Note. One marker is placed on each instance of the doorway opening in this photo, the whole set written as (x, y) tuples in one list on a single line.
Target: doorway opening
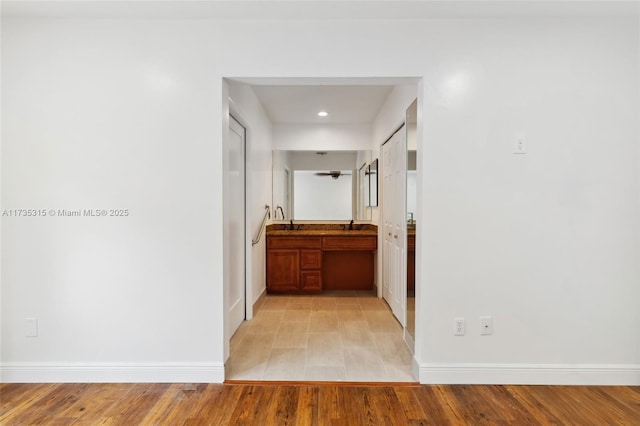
[(329, 332)]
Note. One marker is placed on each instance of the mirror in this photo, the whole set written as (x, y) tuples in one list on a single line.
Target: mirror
[(412, 141), (321, 185)]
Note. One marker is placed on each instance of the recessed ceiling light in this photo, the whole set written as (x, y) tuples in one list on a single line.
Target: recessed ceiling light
[(323, 114)]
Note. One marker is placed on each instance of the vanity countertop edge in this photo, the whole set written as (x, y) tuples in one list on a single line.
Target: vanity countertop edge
[(306, 230)]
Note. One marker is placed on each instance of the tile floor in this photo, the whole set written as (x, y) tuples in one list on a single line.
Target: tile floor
[(321, 338)]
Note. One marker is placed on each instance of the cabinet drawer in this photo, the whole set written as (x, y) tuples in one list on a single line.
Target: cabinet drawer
[(294, 242), (310, 281), (350, 243), (310, 259)]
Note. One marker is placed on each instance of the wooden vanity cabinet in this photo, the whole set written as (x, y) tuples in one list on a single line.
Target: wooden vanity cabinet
[(294, 265), (311, 264), (411, 263)]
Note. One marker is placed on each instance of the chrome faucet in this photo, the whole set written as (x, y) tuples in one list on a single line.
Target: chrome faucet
[(351, 225), (411, 221)]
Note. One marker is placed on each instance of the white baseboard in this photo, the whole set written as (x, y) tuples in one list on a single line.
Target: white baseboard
[(259, 300), (415, 367), (531, 374), (408, 339), (549, 374), (167, 372)]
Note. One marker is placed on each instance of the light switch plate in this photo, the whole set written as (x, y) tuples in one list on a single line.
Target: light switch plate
[(520, 145), (31, 327)]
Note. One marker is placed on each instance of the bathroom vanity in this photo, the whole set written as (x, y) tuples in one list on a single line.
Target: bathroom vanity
[(311, 258)]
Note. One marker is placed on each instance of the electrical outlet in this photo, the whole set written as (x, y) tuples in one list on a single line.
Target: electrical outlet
[(486, 325), (458, 326), (520, 145), (31, 327)]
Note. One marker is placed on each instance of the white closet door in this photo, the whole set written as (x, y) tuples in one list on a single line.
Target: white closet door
[(236, 224), (387, 222), (394, 154)]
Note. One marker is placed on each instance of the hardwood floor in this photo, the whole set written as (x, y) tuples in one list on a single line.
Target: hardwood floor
[(315, 404)]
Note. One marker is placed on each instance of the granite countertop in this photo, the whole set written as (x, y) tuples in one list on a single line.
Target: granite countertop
[(321, 229)]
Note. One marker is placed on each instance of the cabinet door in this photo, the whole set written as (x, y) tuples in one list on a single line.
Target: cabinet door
[(310, 259), (283, 270), (311, 281)]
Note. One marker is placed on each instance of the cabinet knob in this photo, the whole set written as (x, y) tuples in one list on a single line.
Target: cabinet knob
[(395, 236)]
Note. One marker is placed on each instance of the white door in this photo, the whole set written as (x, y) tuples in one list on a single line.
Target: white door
[(394, 263), (236, 224)]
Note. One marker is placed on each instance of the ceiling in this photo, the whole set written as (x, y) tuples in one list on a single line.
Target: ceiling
[(317, 9), (353, 104)]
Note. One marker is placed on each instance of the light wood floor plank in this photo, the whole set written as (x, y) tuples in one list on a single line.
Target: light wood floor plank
[(27, 394)]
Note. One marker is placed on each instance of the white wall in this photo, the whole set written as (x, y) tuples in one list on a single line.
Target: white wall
[(102, 115), (393, 113), (126, 114), (391, 116), (335, 160), (545, 242), (326, 137)]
